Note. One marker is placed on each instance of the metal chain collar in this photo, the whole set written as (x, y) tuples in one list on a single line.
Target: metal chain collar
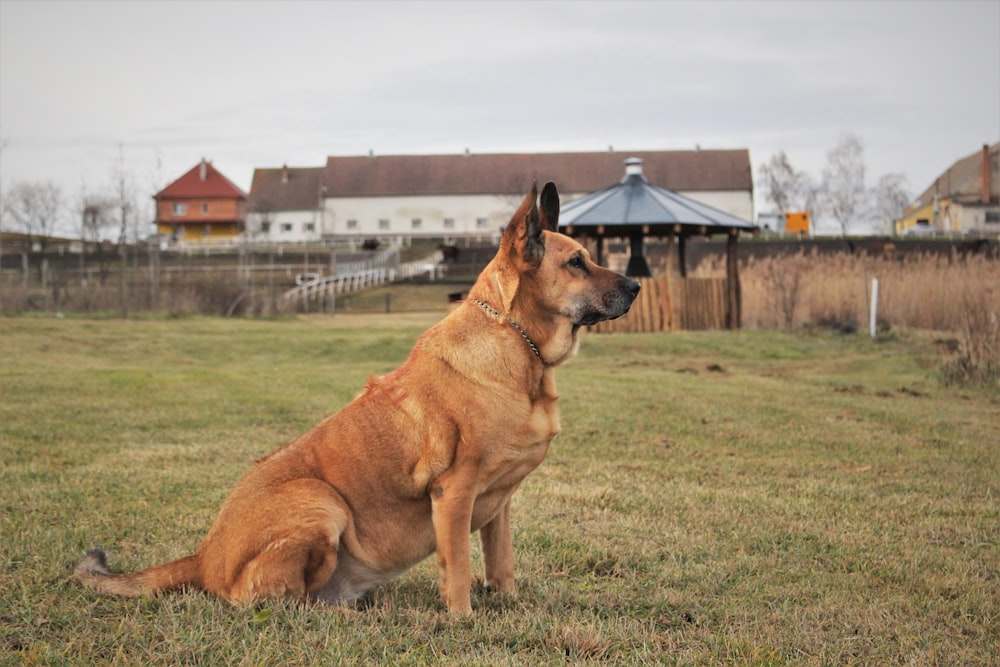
[(495, 313)]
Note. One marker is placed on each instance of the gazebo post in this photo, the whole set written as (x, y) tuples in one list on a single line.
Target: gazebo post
[(682, 254), (733, 291), (668, 270)]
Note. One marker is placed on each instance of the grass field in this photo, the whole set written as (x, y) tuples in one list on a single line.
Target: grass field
[(750, 498)]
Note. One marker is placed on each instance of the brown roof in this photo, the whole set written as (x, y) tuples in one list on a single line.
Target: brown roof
[(285, 189), (202, 181), (511, 173), (963, 180)]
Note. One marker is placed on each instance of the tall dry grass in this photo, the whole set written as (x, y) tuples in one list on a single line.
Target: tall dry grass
[(955, 294), (978, 355)]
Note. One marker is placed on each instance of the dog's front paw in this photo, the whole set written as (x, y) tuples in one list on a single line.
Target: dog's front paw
[(503, 587), (458, 606)]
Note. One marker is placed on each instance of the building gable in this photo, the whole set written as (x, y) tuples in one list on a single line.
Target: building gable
[(203, 181), (963, 180)]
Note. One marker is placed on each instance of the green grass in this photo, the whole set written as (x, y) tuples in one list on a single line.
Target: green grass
[(752, 498)]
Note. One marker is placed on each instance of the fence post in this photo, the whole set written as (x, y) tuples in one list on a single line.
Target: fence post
[(733, 293), (873, 314)]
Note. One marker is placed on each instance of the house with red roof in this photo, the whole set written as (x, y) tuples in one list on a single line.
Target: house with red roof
[(201, 206)]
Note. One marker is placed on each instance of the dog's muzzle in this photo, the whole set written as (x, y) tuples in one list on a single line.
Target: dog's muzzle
[(616, 303)]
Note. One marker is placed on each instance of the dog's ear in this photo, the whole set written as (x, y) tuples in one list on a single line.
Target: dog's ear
[(522, 240), (550, 207)]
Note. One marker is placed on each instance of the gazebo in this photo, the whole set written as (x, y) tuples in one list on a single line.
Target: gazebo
[(636, 209)]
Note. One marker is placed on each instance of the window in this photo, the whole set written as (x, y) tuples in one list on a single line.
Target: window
[(309, 227), (416, 223), (265, 227), (992, 217), (449, 223), (204, 208), (286, 227), (481, 223), (180, 209), (352, 224), (383, 224)]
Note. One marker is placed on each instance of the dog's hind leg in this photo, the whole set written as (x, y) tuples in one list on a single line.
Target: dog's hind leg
[(300, 554)]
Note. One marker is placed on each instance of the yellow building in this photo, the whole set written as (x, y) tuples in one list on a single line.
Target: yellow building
[(964, 199)]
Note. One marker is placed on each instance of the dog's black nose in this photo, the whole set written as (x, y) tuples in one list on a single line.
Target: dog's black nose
[(633, 287)]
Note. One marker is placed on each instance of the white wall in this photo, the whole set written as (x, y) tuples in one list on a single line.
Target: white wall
[(288, 226), (739, 204), (465, 213), (469, 215)]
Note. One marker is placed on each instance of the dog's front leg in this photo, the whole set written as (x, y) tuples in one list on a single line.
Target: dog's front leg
[(498, 552), (451, 512)]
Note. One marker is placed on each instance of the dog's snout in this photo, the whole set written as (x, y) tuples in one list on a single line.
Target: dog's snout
[(628, 289)]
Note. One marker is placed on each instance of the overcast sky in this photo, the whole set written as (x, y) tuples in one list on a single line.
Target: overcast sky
[(261, 83)]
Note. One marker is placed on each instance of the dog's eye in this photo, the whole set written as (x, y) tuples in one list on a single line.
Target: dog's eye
[(576, 262)]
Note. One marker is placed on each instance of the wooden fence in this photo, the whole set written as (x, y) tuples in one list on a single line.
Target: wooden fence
[(672, 304), (700, 303)]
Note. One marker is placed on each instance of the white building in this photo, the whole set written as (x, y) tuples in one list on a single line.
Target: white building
[(466, 196), (286, 204)]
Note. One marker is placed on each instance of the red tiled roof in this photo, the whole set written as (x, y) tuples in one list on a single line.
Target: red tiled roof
[(387, 175), (203, 180)]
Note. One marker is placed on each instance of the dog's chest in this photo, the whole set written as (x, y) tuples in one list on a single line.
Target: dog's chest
[(528, 447), (543, 422)]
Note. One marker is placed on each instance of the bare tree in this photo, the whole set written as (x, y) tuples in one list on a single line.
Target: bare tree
[(890, 199), (3, 147), (810, 196), (782, 182), (124, 207), (155, 180), (34, 208), (95, 212), (843, 188)]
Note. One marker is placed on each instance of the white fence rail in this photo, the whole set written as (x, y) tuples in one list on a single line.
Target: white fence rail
[(320, 294)]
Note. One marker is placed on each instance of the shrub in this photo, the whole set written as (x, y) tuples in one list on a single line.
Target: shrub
[(978, 355)]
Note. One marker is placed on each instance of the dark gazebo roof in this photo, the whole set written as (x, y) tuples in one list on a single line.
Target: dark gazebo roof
[(635, 209), (636, 203)]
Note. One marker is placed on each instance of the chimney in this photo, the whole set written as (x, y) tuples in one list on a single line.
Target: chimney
[(284, 173), (203, 172), (985, 175), (633, 167)]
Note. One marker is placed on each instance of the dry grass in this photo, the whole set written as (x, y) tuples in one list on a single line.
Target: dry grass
[(957, 296), (756, 497), (978, 354)]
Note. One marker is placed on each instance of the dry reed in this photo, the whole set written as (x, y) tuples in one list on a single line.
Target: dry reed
[(948, 293)]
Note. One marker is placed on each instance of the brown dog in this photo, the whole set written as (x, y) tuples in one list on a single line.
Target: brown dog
[(423, 455)]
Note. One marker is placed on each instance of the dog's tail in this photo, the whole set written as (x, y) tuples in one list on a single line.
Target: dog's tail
[(93, 572)]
